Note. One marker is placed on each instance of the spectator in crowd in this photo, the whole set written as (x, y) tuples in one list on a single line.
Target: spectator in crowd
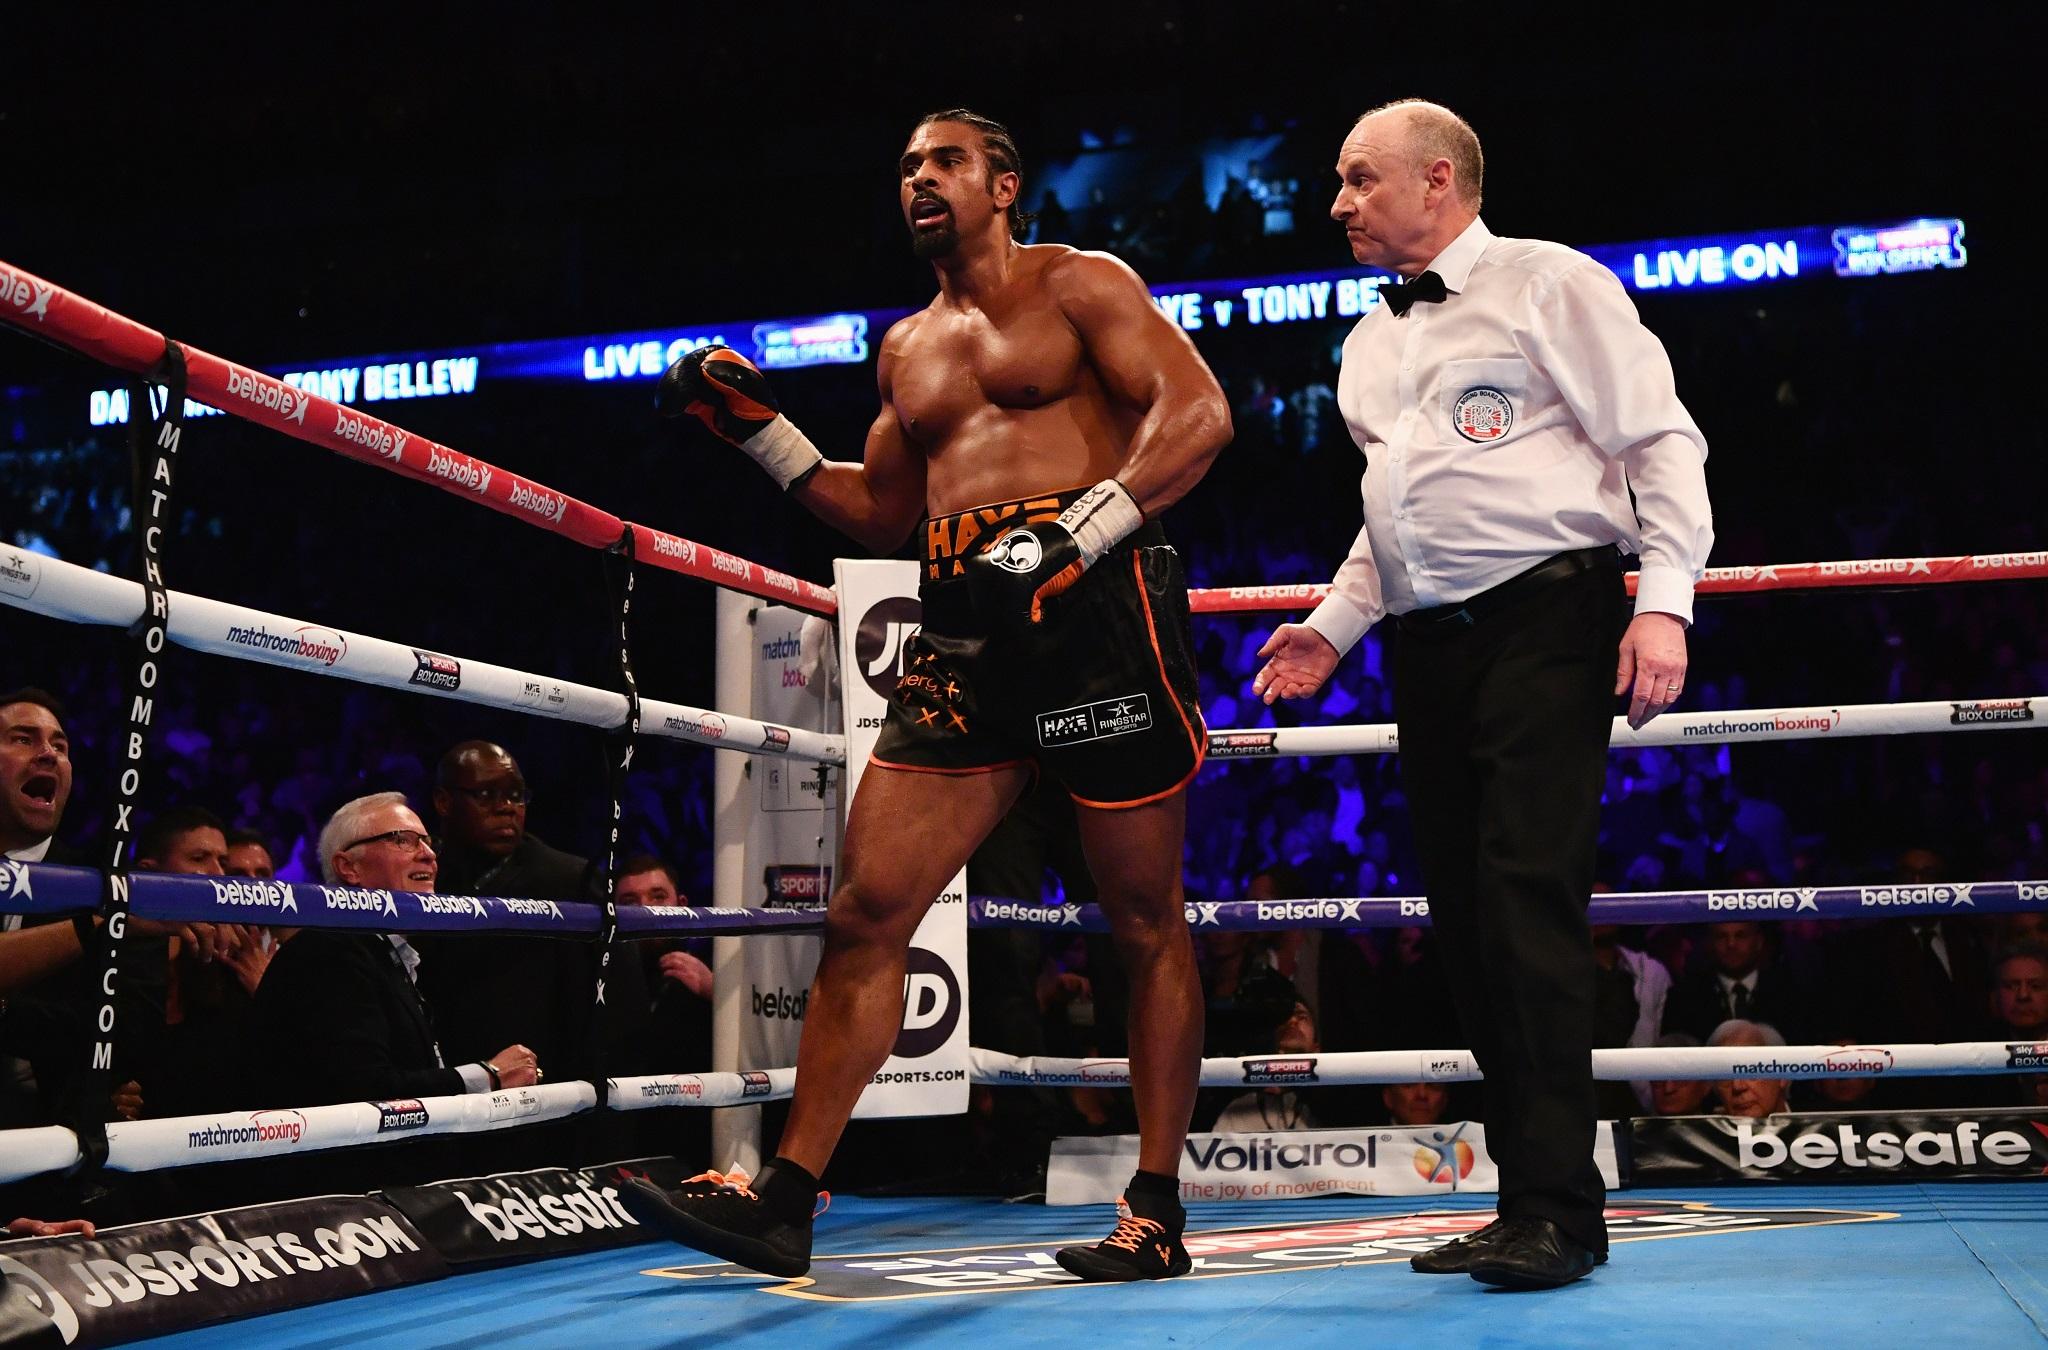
[(1742, 984), (524, 989), (35, 779), (2020, 993), (646, 880), (249, 855), (338, 1017), (1754, 1098), (1915, 980), (1276, 1107), (1677, 1096), (207, 989), (1413, 1104)]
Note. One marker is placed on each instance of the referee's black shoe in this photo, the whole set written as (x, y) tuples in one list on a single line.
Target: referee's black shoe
[(1460, 1254), (1533, 1253), (722, 1217)]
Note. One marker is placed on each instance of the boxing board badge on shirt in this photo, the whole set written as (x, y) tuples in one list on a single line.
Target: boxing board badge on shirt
[(1482, 414)]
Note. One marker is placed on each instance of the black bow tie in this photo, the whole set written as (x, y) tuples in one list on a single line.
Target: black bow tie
[(1428, 287)]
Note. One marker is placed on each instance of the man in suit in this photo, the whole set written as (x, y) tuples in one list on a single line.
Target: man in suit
[(338, 1016), (1744, 983), (488, 991)]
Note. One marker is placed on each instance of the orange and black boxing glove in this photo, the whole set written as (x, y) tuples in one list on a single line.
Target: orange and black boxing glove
[(728, 393), (1027, 566)]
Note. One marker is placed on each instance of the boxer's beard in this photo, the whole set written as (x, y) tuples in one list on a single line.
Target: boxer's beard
[(929, 244)]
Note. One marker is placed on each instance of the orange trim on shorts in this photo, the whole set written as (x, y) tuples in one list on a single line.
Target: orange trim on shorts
[(881, 763), (1199, 743)]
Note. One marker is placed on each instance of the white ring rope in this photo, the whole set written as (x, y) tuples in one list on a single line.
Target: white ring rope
[(993, 1068), (141, 1146), (1698, 728), (62, 590)]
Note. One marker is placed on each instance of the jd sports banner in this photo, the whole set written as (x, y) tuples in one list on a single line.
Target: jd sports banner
[(1291, 1164), (152, 1278), (1839, 1146), (792, 835), (927, 1074)]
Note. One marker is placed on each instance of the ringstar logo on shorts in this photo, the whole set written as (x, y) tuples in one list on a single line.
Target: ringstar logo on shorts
[(266, 393)]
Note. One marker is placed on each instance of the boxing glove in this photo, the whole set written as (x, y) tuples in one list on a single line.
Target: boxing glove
[(1014, 577), (729, 394)]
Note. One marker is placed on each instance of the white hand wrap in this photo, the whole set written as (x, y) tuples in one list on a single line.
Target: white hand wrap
[(786, 453), (1100, 518)]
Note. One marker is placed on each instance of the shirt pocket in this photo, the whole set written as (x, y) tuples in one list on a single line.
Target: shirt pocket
[(1482, 402)]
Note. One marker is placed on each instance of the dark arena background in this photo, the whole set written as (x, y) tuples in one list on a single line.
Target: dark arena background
[(494, 227)]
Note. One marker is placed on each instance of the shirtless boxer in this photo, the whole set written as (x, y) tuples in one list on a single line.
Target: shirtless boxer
[(1037, 417)]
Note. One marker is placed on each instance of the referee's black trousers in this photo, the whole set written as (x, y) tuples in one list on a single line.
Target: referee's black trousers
[(1504, 725)]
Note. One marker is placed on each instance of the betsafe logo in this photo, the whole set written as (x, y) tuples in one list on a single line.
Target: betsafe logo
[(931, 1005), (879, 641)]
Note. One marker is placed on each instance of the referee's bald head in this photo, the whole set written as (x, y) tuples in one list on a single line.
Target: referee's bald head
[(1432, 132)]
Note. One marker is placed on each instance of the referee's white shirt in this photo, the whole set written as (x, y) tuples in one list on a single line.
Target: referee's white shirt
[(1509, 423)]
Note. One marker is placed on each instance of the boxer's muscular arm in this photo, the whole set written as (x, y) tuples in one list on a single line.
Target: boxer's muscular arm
[(879, 500), (1147, 363)]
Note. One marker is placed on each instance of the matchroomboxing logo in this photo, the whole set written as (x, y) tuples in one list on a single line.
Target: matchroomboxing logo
[(1262, 1249), (708, 726), (305, 643)]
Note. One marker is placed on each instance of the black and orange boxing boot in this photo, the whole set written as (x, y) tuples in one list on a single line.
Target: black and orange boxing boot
[(763, 1223), (1146, 1244)]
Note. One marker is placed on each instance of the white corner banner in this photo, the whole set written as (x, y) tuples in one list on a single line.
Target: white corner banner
[(1293, 1164), (927, 1074), (793, 832)]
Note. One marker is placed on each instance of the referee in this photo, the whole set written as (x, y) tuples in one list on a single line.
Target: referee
[(1522, 436)]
